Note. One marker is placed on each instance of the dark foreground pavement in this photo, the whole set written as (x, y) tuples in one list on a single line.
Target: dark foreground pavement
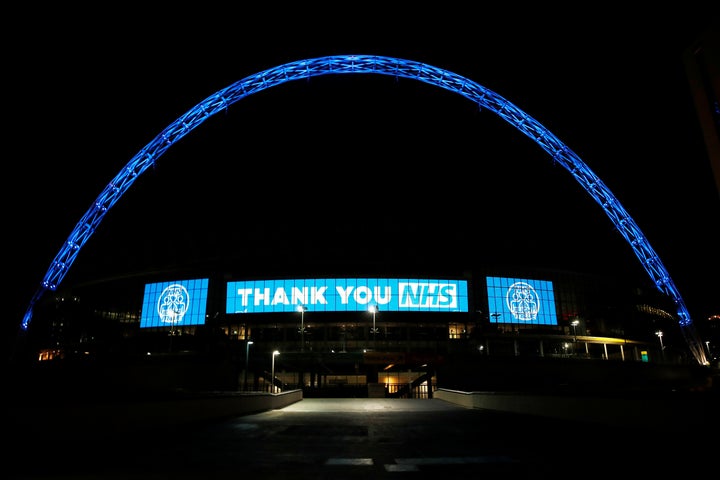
[(366, 439)]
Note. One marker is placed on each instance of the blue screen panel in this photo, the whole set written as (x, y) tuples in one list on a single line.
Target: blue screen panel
[(168, 304), (347, 295), (521, 300)]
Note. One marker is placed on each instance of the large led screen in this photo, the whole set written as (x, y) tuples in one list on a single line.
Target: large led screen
[(347, 295), (521, 300), (169, 304)]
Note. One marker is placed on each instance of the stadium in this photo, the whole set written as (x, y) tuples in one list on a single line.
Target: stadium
[(404, 329), (388, 336)]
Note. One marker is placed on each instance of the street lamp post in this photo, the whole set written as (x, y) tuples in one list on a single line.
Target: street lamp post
[(302, 309), (574, 324), (247, 361), (373, 309), (659, 333), (272, 372)]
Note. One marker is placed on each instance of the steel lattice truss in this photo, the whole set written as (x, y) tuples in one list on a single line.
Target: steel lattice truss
[(367, 64)]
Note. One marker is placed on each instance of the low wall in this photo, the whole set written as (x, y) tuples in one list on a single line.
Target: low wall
[(672, 411), (129, 416)]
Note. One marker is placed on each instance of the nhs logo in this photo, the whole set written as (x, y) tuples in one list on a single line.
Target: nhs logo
[(428, 295)]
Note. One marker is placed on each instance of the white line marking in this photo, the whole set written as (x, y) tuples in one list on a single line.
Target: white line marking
[(400, 468), (349, 461), (452, 460)]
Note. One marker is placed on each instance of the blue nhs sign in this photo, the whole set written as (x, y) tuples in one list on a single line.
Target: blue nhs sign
[(347, 295)]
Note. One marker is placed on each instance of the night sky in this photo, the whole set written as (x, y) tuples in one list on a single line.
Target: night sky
[(357, 173)]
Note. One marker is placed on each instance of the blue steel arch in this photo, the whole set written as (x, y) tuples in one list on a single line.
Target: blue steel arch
[(369, 64)]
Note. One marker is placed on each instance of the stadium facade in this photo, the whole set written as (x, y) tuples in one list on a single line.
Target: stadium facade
[(401, 335)]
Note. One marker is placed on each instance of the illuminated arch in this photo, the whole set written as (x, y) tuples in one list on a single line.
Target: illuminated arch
[(367, 64)]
